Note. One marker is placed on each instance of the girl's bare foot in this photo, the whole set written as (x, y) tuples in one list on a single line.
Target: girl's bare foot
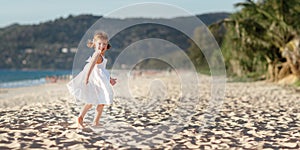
[(80, 122), (95, 123)]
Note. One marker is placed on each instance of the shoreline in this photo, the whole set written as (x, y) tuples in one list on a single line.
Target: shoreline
[(34, 82), (23, 78)]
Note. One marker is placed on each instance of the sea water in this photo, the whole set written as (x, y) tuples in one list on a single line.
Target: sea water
[(22, 78)]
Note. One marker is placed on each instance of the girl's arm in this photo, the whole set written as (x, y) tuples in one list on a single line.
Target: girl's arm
[(94, 59)]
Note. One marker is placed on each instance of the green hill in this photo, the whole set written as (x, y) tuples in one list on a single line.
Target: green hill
[(48, 45)]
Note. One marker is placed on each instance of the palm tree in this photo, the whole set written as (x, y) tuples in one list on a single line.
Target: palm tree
[(264, 34)]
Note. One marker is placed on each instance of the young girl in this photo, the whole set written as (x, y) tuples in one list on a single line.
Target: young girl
[(92, 84)]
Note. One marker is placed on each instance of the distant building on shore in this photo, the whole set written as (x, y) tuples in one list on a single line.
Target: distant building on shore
[(69, 50)]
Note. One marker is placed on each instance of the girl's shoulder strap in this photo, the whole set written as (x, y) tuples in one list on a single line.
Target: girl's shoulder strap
[(95, 56)]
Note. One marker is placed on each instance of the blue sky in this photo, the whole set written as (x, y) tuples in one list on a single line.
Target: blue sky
[(37, 11)]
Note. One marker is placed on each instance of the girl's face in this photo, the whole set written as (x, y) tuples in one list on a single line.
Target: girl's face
[(101, 45)]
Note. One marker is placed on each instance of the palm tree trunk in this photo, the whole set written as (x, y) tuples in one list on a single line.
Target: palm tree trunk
[(294, 68)]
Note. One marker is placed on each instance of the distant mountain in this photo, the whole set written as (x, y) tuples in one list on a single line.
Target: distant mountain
[(51, 45)]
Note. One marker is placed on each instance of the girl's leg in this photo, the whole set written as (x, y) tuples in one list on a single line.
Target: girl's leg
[(82, 114), (99, 110)]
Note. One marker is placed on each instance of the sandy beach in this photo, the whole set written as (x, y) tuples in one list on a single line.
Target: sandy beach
[(253, 115)]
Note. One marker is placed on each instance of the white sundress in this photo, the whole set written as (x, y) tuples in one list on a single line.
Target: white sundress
[(98, 90)]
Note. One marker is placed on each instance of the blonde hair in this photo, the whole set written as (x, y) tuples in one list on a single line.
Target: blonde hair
[(100, 35)]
